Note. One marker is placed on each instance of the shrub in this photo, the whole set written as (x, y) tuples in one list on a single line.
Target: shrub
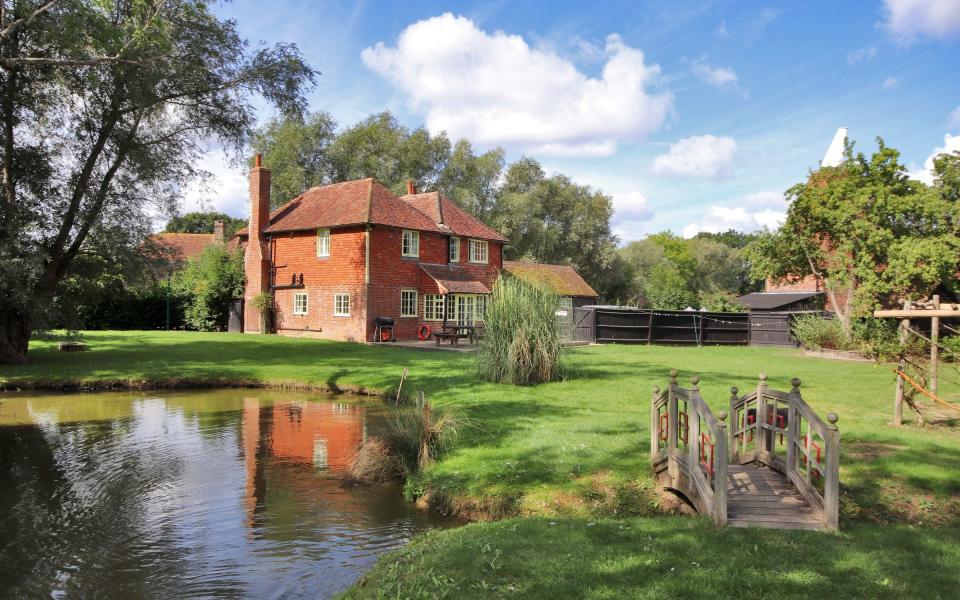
[(210, 282), (415, 436), (721, 301), (819, 333), (522, 343)]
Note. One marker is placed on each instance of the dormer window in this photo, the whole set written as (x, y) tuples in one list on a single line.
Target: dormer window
[(454, 249), (410, 245), (323, 242)]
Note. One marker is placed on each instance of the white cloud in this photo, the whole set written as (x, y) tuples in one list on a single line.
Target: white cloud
[(698, 156), (497, 89), (226, 189), (953, 119), (865, 54), (721, 30), (890, 83), (631, 206), (909, 20), (715, 76), (755, 212), (951, 143)]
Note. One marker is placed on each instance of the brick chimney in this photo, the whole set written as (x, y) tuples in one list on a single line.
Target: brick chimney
[(218, 231), (411, 189), (257, 256)]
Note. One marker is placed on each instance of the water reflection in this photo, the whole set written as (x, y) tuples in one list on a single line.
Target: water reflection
[(223, 494)]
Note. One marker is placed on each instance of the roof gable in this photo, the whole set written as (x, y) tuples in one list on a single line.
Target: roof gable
[(563, 279)]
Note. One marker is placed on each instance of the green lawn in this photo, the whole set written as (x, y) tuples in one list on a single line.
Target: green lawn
[(577, 451), (667, 557)]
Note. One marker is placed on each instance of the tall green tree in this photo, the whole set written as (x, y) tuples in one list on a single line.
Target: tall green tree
[(871, 234), (554, 220), (202, 222), (295, 149), (102, 107)]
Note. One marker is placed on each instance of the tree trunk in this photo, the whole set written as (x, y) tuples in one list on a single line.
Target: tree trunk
[(14, 336)]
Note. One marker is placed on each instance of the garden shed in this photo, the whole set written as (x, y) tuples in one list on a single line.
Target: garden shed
[(575, 293), (772, 314)]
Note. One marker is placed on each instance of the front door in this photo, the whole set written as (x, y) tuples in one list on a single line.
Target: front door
[(465, 308)]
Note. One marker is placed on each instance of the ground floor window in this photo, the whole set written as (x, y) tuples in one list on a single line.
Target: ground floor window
[(408, 303), (300, 303), (466, 309), (433, 307), (341, 305)]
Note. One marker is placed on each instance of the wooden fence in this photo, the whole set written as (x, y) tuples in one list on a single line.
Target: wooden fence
[(644, 326)]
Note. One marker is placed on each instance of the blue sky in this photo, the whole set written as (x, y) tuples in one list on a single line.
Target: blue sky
[(692, 116)]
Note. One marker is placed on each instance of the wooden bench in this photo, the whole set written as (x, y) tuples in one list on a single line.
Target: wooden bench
[(453, 337)]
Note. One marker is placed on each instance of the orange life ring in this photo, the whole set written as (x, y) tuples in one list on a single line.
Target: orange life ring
[(423, 333)]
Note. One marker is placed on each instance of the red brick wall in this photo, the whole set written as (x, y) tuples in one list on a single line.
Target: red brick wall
[(323, 277), (256, 264), (344, 271), (390, 273)]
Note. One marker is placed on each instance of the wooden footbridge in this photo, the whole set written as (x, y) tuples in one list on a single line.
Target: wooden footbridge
[(776, 465)]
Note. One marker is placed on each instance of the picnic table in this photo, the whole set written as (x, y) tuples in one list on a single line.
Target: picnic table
[(454, 333)]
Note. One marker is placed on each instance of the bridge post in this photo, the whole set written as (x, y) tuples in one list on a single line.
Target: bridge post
[(672, 468), (763, 441), (793, 429), (693, 439), (654, 425), (831, 484), (734, 450), (720, 472)]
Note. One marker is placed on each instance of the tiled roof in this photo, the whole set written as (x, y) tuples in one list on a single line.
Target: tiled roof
[(181, 246), (563, 279), (367, 201), (455, 279), (455, 220), (773, 300)]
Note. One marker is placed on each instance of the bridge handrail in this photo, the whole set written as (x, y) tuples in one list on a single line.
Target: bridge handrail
[(703, 462), (799, 445)]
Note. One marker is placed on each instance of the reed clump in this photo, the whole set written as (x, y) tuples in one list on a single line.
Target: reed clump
[(414, 437), (522, 343)]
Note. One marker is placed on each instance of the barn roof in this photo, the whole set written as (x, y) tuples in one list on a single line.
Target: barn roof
[(563, 279), (182, 246), (774, 300)]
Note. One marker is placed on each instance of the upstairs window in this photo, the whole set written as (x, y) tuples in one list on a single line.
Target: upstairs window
[(408, 303), (323, 242), (478, 251), (300, 303), (454, 249), (411, 243)]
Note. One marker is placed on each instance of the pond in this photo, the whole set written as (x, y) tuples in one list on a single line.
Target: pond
[(227, 493)]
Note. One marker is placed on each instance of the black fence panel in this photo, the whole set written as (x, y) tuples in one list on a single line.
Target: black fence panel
[(637, 326)]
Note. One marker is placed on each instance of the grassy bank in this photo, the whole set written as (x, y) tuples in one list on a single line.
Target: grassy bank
[(659, 558), (572, 448)]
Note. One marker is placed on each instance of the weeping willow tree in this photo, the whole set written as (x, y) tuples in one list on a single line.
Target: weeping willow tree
[(522, 343)]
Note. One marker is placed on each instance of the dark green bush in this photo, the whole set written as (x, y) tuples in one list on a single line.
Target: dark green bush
[(816, 332)]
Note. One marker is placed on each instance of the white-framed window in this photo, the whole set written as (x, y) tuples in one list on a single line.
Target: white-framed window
[(300, 303), (341, 305), (323, 242), (433, 307), (408, 303), (410, 246), (454, 249), (478, 251)]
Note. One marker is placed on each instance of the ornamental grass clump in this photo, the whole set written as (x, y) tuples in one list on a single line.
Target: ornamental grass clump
[(522, 343), (413, 438)]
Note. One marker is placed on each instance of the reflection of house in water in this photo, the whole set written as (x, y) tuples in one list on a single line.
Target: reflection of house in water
[(322, 436), (325, 435)]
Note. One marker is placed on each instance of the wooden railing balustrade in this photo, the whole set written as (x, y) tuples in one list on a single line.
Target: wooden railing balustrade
[(690, 452)]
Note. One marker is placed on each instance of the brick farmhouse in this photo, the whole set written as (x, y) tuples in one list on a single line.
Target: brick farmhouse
[(338, 256)]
